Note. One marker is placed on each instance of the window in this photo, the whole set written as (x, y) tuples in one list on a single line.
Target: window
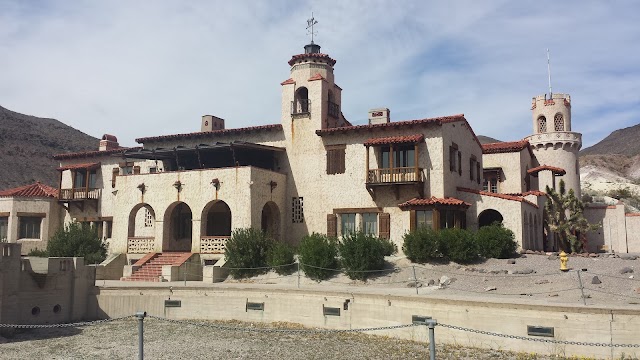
[(109, 229), (126, 168), (153, 170), (453, 150), (542, 124), (148, 218), (347, 224), (114, 174), (335, 160), (80, 181), (490, 184), (370, 223), (472, 167), (424, 218), (30, 227), (558, 122), (297, 210), (4, 228), (452, 219), (403, 156)]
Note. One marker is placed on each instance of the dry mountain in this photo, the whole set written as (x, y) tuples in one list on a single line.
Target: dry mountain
[(27, 144)]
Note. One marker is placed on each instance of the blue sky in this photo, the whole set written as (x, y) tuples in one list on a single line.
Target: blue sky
[(144, 68)]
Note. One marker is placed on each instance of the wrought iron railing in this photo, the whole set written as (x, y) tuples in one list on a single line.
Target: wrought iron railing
[(300, 106), (395, 175), (140, 244), (334, 110), (79, 194), (213, 244)]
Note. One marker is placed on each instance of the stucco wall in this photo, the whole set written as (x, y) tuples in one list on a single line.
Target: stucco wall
[(612, 236), (51, 221), (633, 232)]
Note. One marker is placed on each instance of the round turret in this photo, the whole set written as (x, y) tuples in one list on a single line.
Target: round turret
[(553, 142)]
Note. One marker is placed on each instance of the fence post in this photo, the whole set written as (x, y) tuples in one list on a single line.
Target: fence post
[(141, 315), (431, 323), (415, 279), (584, 300), (298, 273)]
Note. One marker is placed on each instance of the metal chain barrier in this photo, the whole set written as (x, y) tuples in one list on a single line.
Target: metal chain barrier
[(527, 338), (280, 330), (68, 325)]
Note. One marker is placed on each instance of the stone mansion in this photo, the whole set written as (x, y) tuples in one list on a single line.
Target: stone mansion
[(312, 172)]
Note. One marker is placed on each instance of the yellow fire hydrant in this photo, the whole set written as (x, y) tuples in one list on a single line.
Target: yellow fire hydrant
[(564, 259)]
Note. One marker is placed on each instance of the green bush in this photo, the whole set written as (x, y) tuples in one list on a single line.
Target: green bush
[(246, 252), (422, 245), (38, 253), (389, 247), (78, 240), (318, 256), (280, 257), (361, 254), (496, 241), (459, 245)]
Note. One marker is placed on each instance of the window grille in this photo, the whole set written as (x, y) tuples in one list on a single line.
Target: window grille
[(542, 124), (558, 122), (297, 210)]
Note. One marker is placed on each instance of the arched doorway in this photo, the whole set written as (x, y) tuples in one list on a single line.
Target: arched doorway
[(215, 227), (177, 228), (141, 229), (301, 102), (270, 221), (489, 217)]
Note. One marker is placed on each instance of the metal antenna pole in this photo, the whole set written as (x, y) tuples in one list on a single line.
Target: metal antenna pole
[(549, 73), (310, 23), (141, 315)]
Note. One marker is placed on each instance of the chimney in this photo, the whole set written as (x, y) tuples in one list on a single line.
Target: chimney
[(108, 142), (379, 116), (211, 123)]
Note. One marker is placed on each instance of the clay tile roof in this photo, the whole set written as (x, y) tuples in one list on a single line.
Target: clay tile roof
[(318, 56), (201, 134), (504, 147), (532, 192), (37, 190), (288, 81), (556, 170), (83, 154), (497, 195), (80, 166), (395, 124), (408, 139), (632, 214), (434, 201), (316, 77)]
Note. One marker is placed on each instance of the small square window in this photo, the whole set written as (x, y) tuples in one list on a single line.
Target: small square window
[(370, 223), (30, 227), (297, 210)]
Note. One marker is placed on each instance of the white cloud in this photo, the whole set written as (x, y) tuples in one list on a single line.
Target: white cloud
[(144, 68)]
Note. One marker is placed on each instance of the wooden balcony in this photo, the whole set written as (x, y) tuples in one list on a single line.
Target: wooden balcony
[(394, 175), (79, 194)]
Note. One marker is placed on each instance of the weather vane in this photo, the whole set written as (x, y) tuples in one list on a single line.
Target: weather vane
[(310, 23)]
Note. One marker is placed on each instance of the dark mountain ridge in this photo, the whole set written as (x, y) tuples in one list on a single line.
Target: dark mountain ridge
[(27, 144)]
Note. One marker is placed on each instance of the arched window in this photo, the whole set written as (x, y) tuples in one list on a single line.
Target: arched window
[(558, 122), (542, 124), (300, 104)]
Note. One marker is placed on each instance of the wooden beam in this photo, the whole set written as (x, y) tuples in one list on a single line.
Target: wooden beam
[(366, 178)]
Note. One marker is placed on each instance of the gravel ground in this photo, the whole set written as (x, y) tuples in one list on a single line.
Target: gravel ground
[(163, 340), (529, 277)]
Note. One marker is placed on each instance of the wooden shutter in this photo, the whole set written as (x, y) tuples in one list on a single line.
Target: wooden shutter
[(114, 173), (136, 170), (412, 220), (332, 225), (385, 225)]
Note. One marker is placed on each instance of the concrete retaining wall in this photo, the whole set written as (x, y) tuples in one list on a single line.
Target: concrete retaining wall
[(571, 323)]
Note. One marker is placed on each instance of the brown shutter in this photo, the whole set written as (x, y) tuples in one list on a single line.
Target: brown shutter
[(332, 225), (114, 173), (385, 226), (136, 170), (412, 220), (328, 162)]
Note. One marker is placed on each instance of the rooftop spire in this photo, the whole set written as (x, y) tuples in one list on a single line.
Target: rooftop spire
[(310, 23), (549, 73)]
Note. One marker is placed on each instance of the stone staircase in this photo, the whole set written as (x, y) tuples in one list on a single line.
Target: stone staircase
[(149, 268)]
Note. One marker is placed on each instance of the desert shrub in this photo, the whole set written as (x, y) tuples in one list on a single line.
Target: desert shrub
[(496, 241), (318, 256), (38, 253), (360, 254), (246, 252), (422, 245), (459, 245), (280, 257), (388, 247), (77, 240)]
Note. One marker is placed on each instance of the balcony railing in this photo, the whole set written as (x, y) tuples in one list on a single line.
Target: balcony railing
[(395, 175), (213, 244), (300, 106), (79, 194), (140, 244), (334, 110)]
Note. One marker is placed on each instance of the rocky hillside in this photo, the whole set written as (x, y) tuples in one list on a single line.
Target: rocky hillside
[(27, 144), (622, 142)]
